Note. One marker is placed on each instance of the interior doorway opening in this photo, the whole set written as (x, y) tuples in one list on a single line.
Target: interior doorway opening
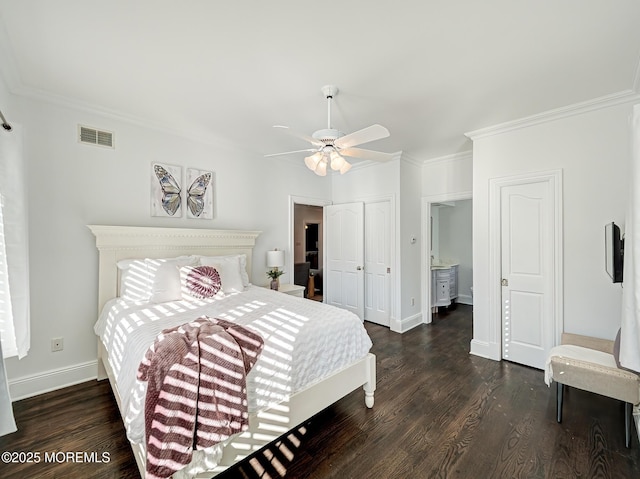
[(307, 245), (448, 255)]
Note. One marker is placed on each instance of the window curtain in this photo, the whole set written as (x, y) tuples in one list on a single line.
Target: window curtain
[(630, 329), (7, 421), (14, 267)]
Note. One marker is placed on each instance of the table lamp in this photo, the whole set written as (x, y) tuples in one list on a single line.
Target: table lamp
[(275, 260)]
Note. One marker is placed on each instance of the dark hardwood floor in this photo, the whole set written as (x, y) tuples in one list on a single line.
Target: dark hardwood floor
[(439, 412)]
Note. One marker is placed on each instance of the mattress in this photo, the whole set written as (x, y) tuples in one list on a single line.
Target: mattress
[(305, 341)]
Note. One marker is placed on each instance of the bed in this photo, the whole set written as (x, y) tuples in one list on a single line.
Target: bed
[(275, 408)]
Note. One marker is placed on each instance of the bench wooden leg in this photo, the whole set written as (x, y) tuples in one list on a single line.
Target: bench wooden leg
[(560, 392), (628, 414), (628, 426)]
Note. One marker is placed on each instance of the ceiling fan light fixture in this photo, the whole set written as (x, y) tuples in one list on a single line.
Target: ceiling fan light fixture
[(331, 146), (321, 169), (313, 160), (337, 162)]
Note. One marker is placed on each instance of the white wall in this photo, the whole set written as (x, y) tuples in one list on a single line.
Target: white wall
[(592, 149), (410, 244), (71, 185), (365, 182), (449, 175), (455, 244)]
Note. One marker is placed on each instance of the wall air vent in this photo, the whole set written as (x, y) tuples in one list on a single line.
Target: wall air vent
[(92, 136)]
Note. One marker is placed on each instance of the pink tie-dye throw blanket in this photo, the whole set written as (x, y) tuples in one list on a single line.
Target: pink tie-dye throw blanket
[(196, 391)]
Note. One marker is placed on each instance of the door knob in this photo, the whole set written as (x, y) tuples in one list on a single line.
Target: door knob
[(359, 268), (504, 282)]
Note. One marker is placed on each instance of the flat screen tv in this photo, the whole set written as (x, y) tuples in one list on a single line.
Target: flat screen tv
[(614, 250)]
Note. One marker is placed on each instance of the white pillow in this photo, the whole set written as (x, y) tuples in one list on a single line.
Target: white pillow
[(135, 282), (165, 275), (243, 269), (242, 264), (229, 270)]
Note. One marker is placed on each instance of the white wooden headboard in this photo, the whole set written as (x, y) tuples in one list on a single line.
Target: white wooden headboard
[(124, 242)]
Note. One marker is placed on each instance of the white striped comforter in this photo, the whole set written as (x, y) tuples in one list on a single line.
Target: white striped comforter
[(304, 341)]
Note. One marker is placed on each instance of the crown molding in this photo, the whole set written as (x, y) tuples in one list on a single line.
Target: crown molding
[(462, 156), (625, 96), (408, 159)]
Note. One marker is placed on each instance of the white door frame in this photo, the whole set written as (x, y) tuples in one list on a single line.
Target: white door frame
[(302, 200), (425, 259), (554, 178)]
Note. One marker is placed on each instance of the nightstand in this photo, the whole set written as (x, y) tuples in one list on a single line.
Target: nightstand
[(292, 289)]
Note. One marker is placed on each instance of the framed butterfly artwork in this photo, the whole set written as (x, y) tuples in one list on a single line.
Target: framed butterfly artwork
[(170, 196), (166, 192), (199, 194)]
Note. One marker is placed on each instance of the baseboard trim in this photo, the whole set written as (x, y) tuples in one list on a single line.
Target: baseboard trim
[(36, 384), (465, 299), (404, 325), (484, 349)]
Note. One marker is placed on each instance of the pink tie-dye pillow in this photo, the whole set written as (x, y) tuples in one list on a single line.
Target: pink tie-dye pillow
[(201, 281)]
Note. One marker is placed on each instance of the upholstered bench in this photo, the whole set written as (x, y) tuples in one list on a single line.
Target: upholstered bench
[(589, 364)]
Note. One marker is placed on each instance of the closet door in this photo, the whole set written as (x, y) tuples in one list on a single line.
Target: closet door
[(527, 244), (344, 250), (377, 263)]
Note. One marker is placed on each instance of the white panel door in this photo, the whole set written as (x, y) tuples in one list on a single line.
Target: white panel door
[(344, 250), (527, 223), (377, 272)]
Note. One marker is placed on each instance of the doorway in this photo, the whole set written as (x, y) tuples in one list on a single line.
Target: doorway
[(307, 244), (447, 263)]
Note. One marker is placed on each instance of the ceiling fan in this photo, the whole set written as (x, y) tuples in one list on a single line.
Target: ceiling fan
[(331, 145)]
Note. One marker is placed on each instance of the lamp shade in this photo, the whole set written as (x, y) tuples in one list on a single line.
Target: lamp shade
[(313, 160), (321, 169), (275, 259), (337, 161)]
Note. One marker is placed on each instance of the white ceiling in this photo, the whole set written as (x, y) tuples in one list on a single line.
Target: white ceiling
[(428, 70)]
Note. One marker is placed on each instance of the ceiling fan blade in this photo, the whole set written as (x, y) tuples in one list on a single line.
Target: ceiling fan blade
[(366, 154), (302, 136), (370, 133), (290, 152)]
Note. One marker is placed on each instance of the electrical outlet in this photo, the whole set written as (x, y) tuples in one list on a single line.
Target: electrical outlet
[(57, 344)]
